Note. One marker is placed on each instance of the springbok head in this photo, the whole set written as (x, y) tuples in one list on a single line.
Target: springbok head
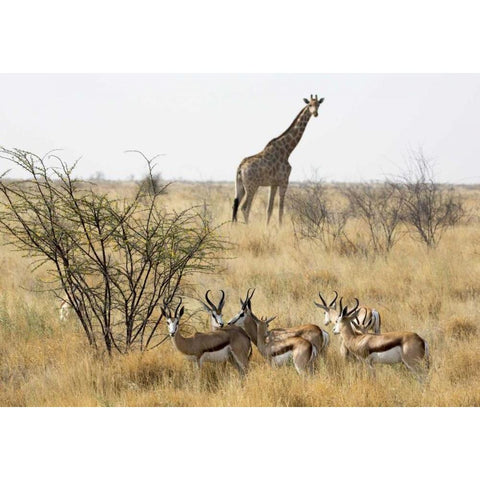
[(262, 326), (358, 324), (330, 310), (215, 311), (245, 310), (345, 316), (173, 320), (313, 104)]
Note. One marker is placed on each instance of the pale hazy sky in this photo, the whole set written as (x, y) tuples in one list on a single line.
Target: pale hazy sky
[(205, 124)]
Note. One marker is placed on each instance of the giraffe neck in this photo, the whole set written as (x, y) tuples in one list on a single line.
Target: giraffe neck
[(290, 138)]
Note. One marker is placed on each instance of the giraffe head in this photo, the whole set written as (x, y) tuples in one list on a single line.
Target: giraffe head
[(313, 104)]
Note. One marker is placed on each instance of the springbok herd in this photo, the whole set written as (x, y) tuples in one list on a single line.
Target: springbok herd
[(358, 327)]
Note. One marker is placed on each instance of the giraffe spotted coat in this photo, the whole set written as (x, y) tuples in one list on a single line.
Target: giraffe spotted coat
[(270, 167)]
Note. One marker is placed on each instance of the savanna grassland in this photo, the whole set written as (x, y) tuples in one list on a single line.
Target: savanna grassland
[(432, 291)]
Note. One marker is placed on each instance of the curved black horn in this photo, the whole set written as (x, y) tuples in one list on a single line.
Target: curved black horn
[(354, 308), (322, 299), (212, 305), (268, 320), (247, 298), (178, 306), (222, 301), (249, 295), (335, 299), (166, 309), (244, 302), (341, 304)]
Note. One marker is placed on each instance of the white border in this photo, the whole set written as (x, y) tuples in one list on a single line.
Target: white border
[(248, 36), (371, 36), (238, 443)]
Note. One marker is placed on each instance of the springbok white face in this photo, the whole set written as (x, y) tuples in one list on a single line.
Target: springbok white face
[(245, 310), (215, 311), (330, 312), (173, 320), (336, 327), (172, 324), (217, 319), (239, 318), (330, 316), (345, 316), (313, 104)]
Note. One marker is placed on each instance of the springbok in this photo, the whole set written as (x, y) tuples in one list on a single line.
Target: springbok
[(312, 333), (216, 320), (218, 346), (392, 347), (64, 311), (331, 314), (367, 319), (279, 351)]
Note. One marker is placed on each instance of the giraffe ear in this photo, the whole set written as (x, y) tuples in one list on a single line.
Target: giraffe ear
[(305, 100)]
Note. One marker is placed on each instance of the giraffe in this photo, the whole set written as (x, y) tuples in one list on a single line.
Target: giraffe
[(270, 167)]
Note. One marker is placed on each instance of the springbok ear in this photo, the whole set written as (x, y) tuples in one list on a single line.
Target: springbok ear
[(319, 305), (271, 319), (180, 313), (305, 100), (163, 312)]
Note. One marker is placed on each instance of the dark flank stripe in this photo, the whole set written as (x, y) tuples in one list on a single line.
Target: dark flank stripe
[(281, 351), (218, 347), (379, 347)]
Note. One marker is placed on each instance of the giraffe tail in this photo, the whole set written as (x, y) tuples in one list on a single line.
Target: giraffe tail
[(235, 209), (239, 193)]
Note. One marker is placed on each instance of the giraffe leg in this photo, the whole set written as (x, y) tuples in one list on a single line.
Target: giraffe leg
[(271, 199), (247, 204), (281, 192)]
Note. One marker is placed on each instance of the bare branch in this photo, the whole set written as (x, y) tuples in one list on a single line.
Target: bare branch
[(114, 259)]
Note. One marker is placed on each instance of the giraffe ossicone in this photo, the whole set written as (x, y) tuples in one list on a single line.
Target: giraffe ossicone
[(270, 167)]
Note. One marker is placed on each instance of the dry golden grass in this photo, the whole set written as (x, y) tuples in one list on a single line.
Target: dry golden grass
[(434, 293)]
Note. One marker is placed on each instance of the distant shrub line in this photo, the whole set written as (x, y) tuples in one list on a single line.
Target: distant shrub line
[(413, 200)]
